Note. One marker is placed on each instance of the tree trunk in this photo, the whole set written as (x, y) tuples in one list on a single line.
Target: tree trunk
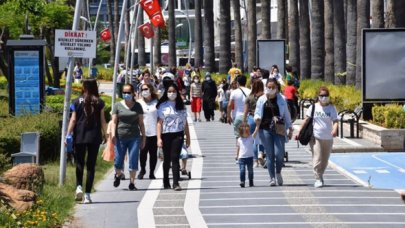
[(238, 35), (305, 40), (318, 41), (141, 44), (293, 34), (252, 33), (281, 14), (198, 35), (391, 21), (351, 42), (363, 15), (116, 18), (266, 17), (339, 42), (111, 28), (157, 50), (209, 50), (329, 51), (224, 36), (377, 13), (400, 13), (172, 34)]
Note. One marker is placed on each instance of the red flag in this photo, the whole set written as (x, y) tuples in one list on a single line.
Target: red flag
[(105, 35), (146, 30), (151, 7), (158, 20)]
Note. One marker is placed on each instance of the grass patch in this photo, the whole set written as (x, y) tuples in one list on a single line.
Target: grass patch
[(55, 204)]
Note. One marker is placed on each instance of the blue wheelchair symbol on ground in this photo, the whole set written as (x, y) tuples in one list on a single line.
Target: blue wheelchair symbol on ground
[(376, 170)]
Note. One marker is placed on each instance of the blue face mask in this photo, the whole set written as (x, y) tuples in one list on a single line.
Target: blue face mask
[(127, 96)]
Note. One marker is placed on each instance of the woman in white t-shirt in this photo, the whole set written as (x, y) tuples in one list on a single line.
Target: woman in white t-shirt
[(325, 125), (171, 127), (148, 102)]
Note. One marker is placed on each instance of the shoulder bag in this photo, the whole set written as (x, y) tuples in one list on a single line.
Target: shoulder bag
[(307, 130)]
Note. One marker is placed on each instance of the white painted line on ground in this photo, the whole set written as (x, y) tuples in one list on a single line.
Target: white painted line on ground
[(351, 142), (192, 200), (382, 171), (145, 208), (306, 205), (281, 191), (359, 171), (299, 213), (267, 175), (267, 180), (386, 162), (298, 197), (285, 184), (347, 173)]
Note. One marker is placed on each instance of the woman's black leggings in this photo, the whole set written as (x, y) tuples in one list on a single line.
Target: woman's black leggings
[(151, 147), (80, 154), (172, 143)]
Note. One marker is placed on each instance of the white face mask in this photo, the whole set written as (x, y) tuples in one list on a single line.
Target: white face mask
[(196, 80), (172, 96), (145, 93), (324, 100), (271, 92)]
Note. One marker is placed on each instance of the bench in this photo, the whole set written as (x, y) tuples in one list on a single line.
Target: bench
[(351, 117), (305, 104)]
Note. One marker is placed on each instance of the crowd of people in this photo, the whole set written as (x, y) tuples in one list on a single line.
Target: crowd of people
[(152, 114)]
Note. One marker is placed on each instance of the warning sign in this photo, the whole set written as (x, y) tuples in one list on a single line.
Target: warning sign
[(78, 44)]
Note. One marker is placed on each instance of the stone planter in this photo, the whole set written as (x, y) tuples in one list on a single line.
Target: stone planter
[(389, 139)]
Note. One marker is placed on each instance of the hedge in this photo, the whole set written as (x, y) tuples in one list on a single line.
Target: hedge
[(389, 116), (47, 124), (3, 82)]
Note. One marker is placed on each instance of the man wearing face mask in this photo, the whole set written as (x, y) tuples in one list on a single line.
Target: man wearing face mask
[(209, 90), (325, 125), (272, 112)]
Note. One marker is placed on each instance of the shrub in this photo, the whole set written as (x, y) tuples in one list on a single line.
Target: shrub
[(47, 124), (389, 116), (3, 82), (5, 162)]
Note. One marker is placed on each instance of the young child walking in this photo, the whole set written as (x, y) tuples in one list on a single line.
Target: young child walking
[(245, 154)]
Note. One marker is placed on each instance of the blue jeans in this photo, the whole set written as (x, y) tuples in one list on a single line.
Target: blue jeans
[(256, 148), (121, 147), (274, 147), (243, 162)]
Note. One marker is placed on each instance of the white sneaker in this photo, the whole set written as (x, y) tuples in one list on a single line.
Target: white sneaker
[(79, 193), (318, 184), (273, 182), (279, 179), (87, 198)]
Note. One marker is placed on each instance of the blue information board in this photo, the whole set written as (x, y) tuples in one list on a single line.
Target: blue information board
[(27, 82)]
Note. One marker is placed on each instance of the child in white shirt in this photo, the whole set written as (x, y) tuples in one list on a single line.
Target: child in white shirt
[(245, 154)]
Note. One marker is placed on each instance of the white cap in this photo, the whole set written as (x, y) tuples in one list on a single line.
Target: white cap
[(168, 75)]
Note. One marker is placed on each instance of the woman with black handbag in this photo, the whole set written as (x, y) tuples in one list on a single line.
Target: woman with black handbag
[(325, 125), (272, 122)]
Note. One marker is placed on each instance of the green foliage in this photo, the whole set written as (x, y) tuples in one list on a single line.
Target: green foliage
[(389, 116), (55, 15), (342, 96), (3, 82), (47, 124), (5, 162), (11, 19), (105, 74)]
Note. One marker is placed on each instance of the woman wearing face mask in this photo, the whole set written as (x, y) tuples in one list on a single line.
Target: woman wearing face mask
[(128, 133), (325, 125), (148, 102), (272, 109), (195, 94), (209, 90), (171, 127)]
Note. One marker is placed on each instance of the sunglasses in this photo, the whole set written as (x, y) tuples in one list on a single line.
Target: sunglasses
[(323, 95), (145, 89), (127, 92)]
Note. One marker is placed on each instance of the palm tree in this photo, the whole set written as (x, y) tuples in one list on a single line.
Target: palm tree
[(238, 34), (377, 13), (305, 40), (157, 50), (266, 23), (281, 14), (141, 44), (224, 36), (293, 34), (339, 41), (116, 18), (198, 43), (399, 13), (391, 20), (252, 33), (318, 41), (172, 34), (209, 50), (363, 15), (111, 28), (351, 41), (329, 50)]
